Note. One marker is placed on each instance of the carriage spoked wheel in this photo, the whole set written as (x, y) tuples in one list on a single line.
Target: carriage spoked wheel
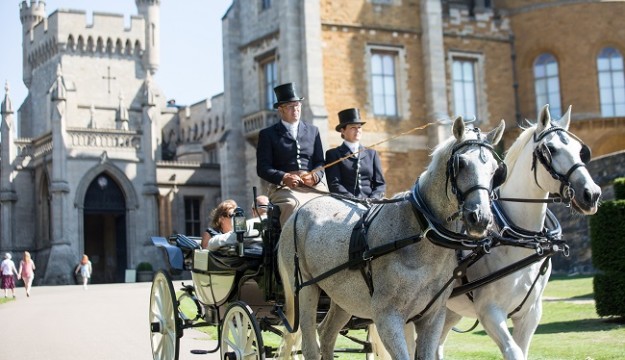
[(240, 334), (165, 324)]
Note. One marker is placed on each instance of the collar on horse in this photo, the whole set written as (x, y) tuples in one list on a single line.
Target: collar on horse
[(511, 234)]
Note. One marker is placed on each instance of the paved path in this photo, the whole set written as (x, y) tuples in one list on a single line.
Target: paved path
[(105, 322)]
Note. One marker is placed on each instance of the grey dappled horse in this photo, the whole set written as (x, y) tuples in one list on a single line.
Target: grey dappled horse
[(545, 159), (405, 280)]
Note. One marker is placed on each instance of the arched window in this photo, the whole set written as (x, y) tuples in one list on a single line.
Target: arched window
[(611, 82), (547, 84)]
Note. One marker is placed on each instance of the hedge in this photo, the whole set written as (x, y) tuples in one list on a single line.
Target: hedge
[(607, 239)]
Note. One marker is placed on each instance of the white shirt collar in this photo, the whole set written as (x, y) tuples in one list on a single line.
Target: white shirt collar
[(353, 147), (292, 128)]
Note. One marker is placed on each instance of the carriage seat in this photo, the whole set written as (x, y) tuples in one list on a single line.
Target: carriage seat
[(226, 261)]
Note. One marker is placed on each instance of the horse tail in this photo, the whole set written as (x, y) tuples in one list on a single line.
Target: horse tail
[(290, 340)]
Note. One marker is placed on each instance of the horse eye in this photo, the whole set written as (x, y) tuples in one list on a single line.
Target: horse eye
[(551, 149), (462, 163)]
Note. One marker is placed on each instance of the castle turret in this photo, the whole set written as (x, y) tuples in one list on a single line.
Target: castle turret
[(8, 151), (150, 10), (29, 16)]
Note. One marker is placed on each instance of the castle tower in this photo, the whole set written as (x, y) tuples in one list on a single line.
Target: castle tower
[(7, 191), (150, 11), (29, 16)]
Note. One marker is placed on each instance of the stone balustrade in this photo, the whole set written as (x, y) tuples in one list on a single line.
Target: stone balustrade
[(253, 123)]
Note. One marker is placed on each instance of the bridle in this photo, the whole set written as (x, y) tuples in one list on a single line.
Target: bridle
[(453, 168), (544, 156)]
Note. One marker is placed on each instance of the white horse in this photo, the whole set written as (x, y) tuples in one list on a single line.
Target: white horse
[(315, 240), (545, 159)]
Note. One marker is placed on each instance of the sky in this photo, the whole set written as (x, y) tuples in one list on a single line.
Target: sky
[(191, 62)]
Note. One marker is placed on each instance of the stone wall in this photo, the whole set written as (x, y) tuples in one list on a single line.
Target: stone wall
[(575, 227)]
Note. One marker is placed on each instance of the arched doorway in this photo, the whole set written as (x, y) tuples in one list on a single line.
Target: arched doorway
[(105, 229)]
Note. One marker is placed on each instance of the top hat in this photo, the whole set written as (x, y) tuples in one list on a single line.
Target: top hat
[(285, 93), (347, 117)]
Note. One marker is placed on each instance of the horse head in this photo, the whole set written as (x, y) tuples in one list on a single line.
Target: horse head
[(473, 170), (560, 160)]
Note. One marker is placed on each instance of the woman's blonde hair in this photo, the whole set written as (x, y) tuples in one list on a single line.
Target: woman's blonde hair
[(26, 257), (223, 209), (85, 259)]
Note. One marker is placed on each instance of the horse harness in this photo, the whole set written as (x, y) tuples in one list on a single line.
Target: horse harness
[(543, 155)]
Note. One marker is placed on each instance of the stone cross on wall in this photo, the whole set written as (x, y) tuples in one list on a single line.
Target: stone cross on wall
[(109, 78)]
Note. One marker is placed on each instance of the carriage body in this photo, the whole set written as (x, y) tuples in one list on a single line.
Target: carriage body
[(228, 291)]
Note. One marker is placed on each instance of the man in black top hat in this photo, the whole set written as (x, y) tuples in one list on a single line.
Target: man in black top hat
[(359, 174), (288, 152)]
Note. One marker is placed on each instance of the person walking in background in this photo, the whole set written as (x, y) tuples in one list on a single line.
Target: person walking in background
[(359, 175), (85, 270), (27, 272), (289, 155), (7, 267)]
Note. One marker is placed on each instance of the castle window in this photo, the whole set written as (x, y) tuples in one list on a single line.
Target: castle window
[(192, 215), (265, 4), (464, 88), (383, 77), (269, 80), (611, 82), (547, 84)]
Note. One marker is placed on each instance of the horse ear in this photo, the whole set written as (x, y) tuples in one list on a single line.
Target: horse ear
[(495, 135), (565, 120), (458, 128), (544, 119)]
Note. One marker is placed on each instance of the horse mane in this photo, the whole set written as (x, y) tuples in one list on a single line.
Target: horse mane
[(513, 153), (441, 151)]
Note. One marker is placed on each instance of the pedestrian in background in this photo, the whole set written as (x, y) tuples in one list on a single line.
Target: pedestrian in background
[(7, 267), (27, 272), (85, 270)]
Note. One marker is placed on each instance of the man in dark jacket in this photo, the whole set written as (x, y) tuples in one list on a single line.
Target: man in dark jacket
[(289, 155), (359, 173)]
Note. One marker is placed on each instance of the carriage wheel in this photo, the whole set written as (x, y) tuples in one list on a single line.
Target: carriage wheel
[(165, 325), (240, 334)]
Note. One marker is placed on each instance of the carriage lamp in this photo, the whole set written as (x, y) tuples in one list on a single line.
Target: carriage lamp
[(240, 227)]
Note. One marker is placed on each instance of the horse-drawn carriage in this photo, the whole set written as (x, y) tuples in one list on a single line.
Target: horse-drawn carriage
[(237, 290), (244, 295)]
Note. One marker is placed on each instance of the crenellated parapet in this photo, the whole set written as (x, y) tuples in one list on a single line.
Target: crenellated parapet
[(67, 31), (479, 22)]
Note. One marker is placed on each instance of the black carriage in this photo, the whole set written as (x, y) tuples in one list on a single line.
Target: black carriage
[(238, 291)]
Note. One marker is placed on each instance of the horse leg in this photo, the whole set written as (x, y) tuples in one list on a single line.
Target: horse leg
[(329, 328), (390, 327), (429, 330), (379, 351), (451, 319), (494, 322), (308, 300), (525, 326)]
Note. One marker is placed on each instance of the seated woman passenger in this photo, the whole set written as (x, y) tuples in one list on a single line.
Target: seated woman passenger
[(220, 232)]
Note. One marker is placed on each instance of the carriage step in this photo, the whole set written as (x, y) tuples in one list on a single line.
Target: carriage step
[(200, 352)]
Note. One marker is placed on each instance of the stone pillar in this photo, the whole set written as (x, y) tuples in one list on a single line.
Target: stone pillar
[(63, 254), (234, 184), (434, 70), (312, 63), (7, 192), (149, 146)]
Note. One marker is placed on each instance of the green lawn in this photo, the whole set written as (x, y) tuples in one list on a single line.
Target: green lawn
[(569, 329)]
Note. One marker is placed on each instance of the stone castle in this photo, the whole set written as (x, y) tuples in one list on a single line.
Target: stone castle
[(101, 162)]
